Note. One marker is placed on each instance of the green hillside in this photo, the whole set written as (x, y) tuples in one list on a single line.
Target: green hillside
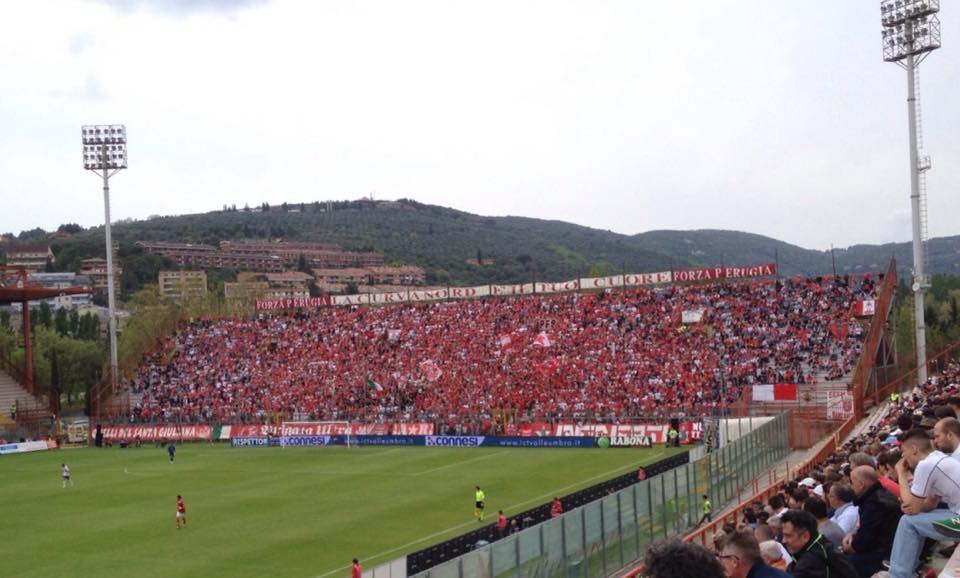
[(514, 249)]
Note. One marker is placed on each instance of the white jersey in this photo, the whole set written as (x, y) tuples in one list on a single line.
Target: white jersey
[(66, 471), (938, 475)]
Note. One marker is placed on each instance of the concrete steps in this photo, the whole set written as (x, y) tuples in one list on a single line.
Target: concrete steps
[(11, 392)]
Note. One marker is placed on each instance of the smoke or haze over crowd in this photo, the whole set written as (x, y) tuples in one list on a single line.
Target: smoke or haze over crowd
[(772, 117)]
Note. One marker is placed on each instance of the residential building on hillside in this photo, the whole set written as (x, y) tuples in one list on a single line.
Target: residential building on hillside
[(288, 285), (32, 257), (96, 269), (341, 259), (404, 275), (181, 285), (244, 294), (208, 257), (287, 250), (64, 281)]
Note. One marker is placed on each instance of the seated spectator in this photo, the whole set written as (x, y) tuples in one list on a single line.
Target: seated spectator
[(827, 527), (777, 505), (861, 459), (764, 533), (886, 467), (879, 512), (936, 477), (946, 436), (772, 554), (678, 559), (845, 512), (814, 555), (740, 556)]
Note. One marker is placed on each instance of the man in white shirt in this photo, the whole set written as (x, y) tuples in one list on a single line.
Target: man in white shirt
[(845, 514), (936, 478), (65, 476)]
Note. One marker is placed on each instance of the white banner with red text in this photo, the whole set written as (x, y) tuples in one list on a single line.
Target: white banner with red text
[(540, 287)]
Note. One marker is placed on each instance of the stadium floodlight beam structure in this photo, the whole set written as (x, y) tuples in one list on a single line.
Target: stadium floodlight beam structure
[(911, 30), (105, 153)]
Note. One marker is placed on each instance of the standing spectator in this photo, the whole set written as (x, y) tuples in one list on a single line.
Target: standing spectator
[(501, 524), (845, 513), (870, 545), (678, 559), (740, 556), (813, 555), (827, 527), (556, 508), (936, 477)]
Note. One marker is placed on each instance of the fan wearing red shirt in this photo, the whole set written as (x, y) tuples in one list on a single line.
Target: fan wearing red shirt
[(501, 524), (556, 508), (357, 571), (181, 511)]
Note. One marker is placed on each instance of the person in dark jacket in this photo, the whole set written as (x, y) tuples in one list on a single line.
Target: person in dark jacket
[(870, 545), (813, 555), (740, 556)]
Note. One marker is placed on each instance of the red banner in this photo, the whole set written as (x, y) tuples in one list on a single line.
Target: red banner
[(274, 304), (158, 432)]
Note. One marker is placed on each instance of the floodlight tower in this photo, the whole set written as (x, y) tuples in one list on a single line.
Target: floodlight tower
[(105, 153), (911, 30)]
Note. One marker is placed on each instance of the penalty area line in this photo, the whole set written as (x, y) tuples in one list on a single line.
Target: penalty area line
[(473, 523)]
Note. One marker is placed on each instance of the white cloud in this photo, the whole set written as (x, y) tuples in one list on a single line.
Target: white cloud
[(775, 118)]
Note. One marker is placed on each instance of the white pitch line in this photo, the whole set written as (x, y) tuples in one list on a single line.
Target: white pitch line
[(470, 523), (455, 464)]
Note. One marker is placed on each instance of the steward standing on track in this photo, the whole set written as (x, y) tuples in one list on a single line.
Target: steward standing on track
[(479, 503)]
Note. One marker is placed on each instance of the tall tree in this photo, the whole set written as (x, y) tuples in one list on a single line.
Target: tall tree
[(60, 323)]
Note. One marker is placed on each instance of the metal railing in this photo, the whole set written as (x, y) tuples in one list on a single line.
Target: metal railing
[(608, 535)]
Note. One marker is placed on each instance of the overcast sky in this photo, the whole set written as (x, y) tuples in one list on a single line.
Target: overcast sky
[(771, 116)]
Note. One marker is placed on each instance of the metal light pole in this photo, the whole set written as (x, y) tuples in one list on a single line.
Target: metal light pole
[(105, 153), (911, 30)]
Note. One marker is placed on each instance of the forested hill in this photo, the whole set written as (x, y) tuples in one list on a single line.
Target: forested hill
[(715, 247), (514, 249), (439, 239)]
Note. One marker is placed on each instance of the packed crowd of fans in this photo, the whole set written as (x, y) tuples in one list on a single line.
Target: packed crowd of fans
[(881, 506), (574, 355)]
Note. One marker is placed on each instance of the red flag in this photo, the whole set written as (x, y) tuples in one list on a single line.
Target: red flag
[(785, 392), (543, 340)]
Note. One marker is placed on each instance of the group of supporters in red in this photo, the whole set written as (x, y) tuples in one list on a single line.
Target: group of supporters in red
[(882, 506), (599, 355)]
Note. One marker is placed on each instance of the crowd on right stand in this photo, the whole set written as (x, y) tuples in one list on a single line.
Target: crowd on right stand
[(882, 506)]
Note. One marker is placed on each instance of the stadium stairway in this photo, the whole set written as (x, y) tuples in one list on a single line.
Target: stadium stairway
[(11, 392)]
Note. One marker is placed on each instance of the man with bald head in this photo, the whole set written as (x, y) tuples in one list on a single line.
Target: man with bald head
[(936, 477), (870, 544), (946, 436)]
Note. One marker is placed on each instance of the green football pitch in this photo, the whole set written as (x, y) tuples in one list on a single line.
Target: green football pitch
[(299, 512)]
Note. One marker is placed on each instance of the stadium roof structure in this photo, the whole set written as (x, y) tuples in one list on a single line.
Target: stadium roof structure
[(15, 288)]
